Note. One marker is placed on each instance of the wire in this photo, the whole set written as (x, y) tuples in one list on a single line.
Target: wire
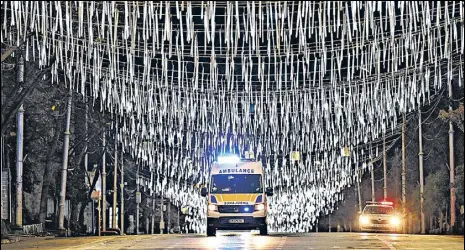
[(389, 75), (98, 25), (434, 107), (435, 136), (387, 48), (456, 100)]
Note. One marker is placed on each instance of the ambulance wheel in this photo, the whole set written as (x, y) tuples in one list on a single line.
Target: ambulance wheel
[(264, 230), (211, 231)]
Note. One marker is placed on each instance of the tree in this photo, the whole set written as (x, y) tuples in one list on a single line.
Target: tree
[(455, 116), (436, 192), (459, 184)]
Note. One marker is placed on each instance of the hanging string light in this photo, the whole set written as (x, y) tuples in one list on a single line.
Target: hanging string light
[(201, 78)]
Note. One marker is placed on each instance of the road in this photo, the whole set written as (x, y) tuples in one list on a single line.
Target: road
[(247, 240)]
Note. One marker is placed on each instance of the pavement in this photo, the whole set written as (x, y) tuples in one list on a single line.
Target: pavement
[(246, 240)]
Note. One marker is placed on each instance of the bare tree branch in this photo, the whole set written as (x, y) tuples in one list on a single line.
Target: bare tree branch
[(19, 101)]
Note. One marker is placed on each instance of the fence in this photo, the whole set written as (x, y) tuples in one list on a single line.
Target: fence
[(33, 229)]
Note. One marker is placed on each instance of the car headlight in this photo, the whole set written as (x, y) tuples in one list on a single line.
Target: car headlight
[(364, 220), (395, 221), (259, 207), (212, 207)]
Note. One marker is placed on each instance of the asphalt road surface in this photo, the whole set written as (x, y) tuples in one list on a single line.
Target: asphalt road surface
[(247, 240)]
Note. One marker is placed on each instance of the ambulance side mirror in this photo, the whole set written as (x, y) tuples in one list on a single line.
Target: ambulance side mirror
[(269, 192), (203, 192)]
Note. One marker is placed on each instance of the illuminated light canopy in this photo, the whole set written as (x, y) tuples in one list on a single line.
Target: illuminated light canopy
[(199, 79)]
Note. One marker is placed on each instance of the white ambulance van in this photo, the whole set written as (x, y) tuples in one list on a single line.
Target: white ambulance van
[(237, 199)]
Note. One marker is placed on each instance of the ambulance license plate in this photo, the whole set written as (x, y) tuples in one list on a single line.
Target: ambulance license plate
[(236, 220)]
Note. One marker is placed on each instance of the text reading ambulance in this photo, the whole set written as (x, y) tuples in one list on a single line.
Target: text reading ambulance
[(236, 196)]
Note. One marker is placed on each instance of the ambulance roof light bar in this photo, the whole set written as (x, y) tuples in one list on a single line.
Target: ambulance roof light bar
[(228, 159)]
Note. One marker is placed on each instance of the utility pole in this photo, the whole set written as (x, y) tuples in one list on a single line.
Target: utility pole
[(384, 168), (359, 196), (420, 160), (104, 186), (357, 192), (179, 224), (19, 152), (1, 165), (138, 198), (122, 191), (168, 227), (99, 216), (64, 171), (404, 173), (19, 168), (154, 196), (115, 175), (86, 128), (373, 195), (162, 222), (86, 155), (451, 163), (93, 219)]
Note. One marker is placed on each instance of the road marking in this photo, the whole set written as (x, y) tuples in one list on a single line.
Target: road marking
[(282, 242), (88, 243), (177, 244), (98, 243), (388, 244)]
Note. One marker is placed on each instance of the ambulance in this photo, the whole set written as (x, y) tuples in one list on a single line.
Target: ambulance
[(237, 198)]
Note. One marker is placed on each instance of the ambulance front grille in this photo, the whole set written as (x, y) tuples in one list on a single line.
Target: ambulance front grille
[(236, 208)]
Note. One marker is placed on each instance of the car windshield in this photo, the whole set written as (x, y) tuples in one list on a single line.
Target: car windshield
[(236, 184), (378, 210)]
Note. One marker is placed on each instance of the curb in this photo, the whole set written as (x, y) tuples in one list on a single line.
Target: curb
[(11, 239)]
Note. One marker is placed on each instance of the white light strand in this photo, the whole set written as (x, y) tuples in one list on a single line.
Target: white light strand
[(186, 76)]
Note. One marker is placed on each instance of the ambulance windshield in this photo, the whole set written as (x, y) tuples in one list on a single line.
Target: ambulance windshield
[(236, 184)]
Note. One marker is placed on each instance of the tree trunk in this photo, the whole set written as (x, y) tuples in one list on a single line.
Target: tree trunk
[(81, 212), (431, 219), (47, 179), (55, 211), (441, 221), (447, 216), (410, 223), (74, 215)]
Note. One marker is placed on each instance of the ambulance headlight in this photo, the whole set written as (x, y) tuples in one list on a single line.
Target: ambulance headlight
[(364, 220), (212, 207), (259, 207), (395, 221)]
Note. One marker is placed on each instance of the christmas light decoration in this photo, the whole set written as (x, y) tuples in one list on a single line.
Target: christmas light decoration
[(199, 79)]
